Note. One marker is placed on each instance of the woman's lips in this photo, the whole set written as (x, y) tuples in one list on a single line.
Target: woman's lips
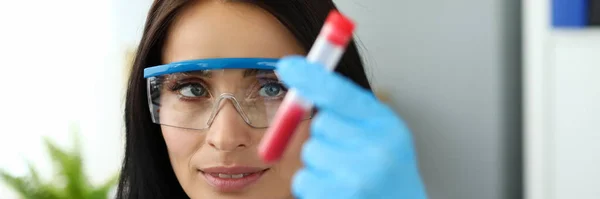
[(230, 179)]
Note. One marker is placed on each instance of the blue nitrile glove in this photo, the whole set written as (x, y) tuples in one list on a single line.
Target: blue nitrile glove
[(358, 148)]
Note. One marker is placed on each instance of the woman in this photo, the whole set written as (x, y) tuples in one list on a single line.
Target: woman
[(203, 90)]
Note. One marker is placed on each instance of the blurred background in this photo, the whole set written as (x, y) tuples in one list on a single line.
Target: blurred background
[(502, 95)]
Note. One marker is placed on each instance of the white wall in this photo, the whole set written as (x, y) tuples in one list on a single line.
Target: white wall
[(574, 140), (562, 81), (60, 64)]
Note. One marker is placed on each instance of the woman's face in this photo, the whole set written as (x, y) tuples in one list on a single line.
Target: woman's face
[(211, 29)]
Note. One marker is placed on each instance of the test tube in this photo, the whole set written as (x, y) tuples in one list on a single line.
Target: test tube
[(327, 51)]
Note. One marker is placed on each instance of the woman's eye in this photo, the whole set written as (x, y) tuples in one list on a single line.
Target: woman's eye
[(272, 90), (193, 90)]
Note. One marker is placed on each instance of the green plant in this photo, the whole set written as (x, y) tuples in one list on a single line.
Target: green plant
[(70, 181)]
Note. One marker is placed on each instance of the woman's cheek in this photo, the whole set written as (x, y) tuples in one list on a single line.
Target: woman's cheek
[(181, 145)]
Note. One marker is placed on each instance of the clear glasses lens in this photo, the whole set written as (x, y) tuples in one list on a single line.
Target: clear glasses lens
[(191, 100)]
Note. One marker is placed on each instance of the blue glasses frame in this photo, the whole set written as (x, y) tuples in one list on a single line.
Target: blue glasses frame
[(209, 64)]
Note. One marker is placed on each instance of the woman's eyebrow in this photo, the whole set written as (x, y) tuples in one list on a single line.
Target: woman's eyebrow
[(246, 73), (201, 73), (254, 72)]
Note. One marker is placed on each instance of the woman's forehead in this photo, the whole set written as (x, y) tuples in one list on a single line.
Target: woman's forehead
[(212, 29)]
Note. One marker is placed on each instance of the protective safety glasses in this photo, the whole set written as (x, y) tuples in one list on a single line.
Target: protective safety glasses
[(190, 94)]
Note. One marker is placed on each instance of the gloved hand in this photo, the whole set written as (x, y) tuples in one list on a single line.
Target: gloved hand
[(358, 148)]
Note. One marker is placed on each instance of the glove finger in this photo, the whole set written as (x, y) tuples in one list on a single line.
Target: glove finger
[(350, 135), (326, 157), (328, 90), (309, 184), (334, 142), (342, 132), (353, 170)]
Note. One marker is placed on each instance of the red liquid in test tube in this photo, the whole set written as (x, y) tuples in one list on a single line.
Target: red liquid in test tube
[(327, 51)]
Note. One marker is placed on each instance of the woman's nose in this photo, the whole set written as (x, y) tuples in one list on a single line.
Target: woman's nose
[(228, 131)]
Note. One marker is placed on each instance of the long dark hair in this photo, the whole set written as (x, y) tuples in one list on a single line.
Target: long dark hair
[(147, 171)]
